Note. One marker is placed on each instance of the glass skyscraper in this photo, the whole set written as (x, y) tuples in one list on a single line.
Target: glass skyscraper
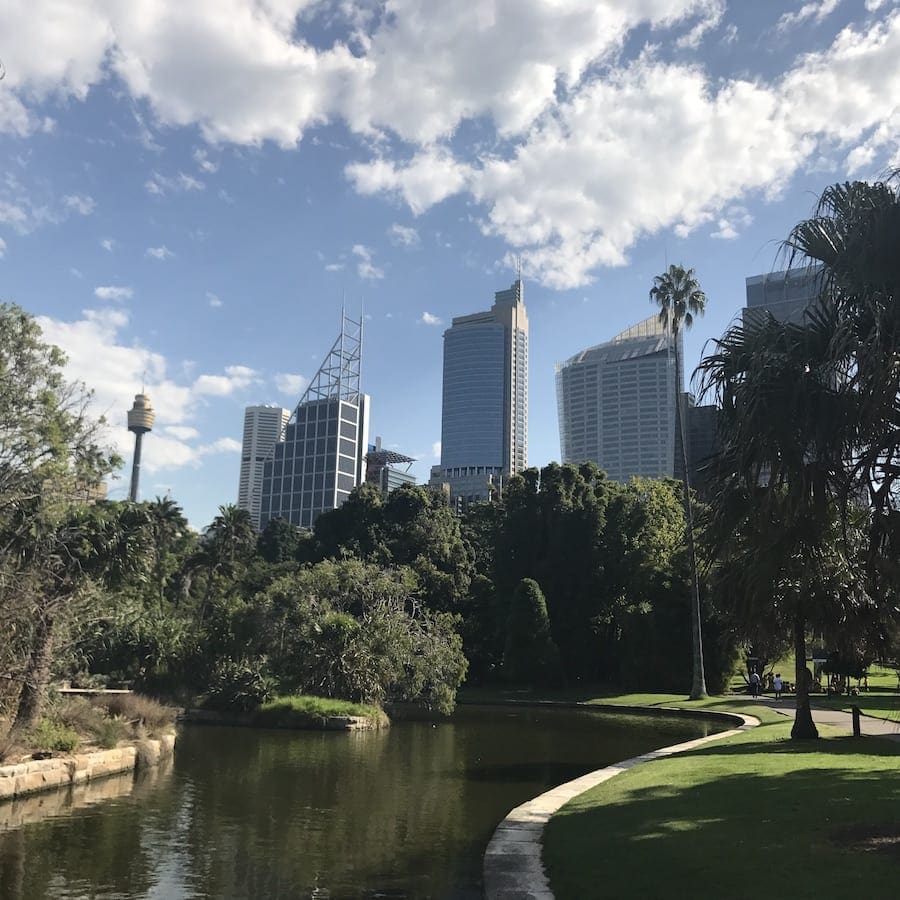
[(616, 404), (787, 295), (263, 426), (321, 455), (484, 421)]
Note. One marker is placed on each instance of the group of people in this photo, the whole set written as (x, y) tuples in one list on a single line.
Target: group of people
[(769, 682)]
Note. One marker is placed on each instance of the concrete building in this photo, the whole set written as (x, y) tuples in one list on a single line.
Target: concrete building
[(484, 413), (320, 457), (702, 442), (263, 426), (616, 404), (786, 295), (387, 468)]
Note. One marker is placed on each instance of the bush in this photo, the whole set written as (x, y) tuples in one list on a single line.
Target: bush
[(110, 731), (49, 735), (137, 708), (240, 685)]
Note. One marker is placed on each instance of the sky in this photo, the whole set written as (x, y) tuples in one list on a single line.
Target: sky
[(190, 191)]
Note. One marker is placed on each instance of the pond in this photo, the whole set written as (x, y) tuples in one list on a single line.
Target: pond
[(405, 812)]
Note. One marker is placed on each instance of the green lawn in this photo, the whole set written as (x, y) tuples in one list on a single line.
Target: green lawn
[(753, 816), (298, 711)]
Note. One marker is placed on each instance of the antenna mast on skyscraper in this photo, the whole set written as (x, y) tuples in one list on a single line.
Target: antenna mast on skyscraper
[(518, 267)]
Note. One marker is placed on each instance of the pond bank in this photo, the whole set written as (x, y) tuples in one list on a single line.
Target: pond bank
[(63, 771), (313, 723)]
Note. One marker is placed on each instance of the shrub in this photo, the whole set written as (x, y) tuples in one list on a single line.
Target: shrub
[(138, 709), (47, 735), (240, 685), (76, 713), (110, 731)]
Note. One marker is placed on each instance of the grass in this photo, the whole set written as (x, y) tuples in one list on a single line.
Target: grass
[(299, 711), (752, 815), (140, 711)]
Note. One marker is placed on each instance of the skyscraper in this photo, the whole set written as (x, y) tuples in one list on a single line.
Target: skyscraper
[(484, 414), (320, 457), (786, 295), (616, 403), (263, 426)]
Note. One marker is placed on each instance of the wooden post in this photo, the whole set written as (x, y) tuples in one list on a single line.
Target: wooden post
[(857, 731)]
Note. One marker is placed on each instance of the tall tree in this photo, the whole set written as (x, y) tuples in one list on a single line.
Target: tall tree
[(679, 297)]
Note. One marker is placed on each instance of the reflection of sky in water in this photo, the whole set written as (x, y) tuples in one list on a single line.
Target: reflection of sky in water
[(402, 812)]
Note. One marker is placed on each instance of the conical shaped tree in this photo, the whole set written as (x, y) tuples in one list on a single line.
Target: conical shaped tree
[(679, 297), (530, 654)]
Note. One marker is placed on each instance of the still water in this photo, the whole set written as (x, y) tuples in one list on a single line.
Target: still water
[(406, 812)]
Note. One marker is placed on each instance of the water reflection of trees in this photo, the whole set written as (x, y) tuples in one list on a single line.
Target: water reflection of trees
[(278, 814)]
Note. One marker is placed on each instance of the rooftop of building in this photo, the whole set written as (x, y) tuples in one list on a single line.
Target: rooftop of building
[(642, 339)]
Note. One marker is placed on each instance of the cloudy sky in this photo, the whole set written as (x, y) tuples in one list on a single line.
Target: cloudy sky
[(190, 190)]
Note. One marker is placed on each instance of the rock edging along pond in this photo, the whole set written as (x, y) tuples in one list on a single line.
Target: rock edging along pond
[(63, 771), (513, 865), (252, 720)]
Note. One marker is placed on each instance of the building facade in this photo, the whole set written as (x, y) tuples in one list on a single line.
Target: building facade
[(484, 413), (786, 295), (320, 456), (263, 426), (616, 404), (387, 468)]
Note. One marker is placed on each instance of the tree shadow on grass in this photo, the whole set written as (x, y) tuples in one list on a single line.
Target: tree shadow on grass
[(837, 746), (740, 835)]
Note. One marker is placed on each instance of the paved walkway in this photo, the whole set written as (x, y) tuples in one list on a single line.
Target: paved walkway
[(869, 725)]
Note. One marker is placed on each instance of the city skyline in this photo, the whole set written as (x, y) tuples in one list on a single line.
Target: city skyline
[(194, 220)]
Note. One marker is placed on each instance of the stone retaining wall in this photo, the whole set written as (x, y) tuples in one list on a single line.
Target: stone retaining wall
[(63, 771)]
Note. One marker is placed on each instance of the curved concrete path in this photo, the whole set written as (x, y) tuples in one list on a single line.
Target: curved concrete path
[(513, 869)]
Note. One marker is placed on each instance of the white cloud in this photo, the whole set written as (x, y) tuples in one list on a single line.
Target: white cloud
[(204, 162), (2, 248), (334, 267), (76, 272), (213, 299), (816, 10), (291, 384), (365, 268), (429, 319), (160, 253), (225, 196), (436, 450), (160, 185), (182, 432), (710, 19), (112, 292), (108, 244), (79, 203), (403, 235), (236, 378)]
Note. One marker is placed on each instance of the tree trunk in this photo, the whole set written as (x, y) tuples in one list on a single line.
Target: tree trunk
[(698, 682), (804, 727), (37, 675)]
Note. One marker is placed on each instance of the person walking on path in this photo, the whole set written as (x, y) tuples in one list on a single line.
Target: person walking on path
[(778, 684), (754, 683)]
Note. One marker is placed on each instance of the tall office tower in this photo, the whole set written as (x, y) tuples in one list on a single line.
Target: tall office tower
[(484, 420), (786, 295), (320, 457), (263, 426), (616, 403)]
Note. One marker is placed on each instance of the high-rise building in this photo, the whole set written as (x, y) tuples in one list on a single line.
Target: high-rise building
[(786, 295), (263, 426), (616, 403), (484, 414), (320, 457), (387, 468)]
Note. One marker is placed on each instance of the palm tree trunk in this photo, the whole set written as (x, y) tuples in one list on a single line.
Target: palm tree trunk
[(698, 682), (37, 675), (804, 727)]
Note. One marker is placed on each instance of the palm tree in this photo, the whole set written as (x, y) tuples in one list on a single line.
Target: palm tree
[(679, 297), (229, 539), (167, 527)]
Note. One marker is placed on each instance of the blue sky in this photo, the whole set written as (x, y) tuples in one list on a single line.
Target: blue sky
[(192, 190)]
